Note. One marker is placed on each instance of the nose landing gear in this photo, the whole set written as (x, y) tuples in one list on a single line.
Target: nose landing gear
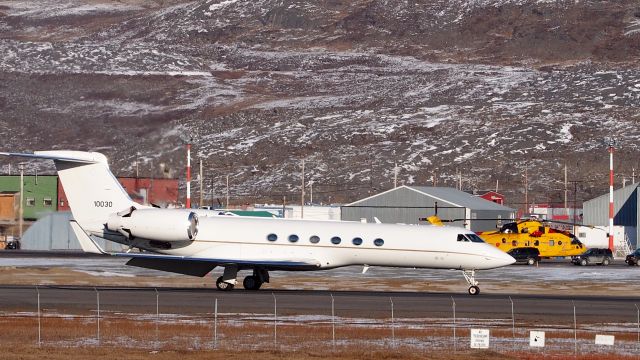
[(470, 276)]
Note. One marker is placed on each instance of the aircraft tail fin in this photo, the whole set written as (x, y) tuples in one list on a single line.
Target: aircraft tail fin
[(93, 193)]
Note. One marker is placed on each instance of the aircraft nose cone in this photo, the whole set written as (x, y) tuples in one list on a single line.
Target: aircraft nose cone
[(501, 258)]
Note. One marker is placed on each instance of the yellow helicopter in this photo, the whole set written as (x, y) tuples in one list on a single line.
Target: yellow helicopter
[(529, 233)]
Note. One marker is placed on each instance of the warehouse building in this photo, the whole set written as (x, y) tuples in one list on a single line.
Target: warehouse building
[(40, 194), (407, 204), (625, 209)]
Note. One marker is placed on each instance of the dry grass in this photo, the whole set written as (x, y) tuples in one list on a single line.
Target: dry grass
[(125, 336)]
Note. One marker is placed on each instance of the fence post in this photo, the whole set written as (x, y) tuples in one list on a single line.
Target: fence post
[(638, 328), (157, 316), (333, 323), (275, 320), (39, 321), (98, 313), (513, 325), (453, 302), (393, 322), (215, 325), (575, 330)]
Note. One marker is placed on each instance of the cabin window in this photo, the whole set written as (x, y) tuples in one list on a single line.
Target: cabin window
[(272, 237), (47, 202), (336, 240), (504, 241), (462, 238), (378, 242), (559, 242), (536, 243), (357, 241), (31, 202), (293, 238), (514, 243), (314, 239), (551, 243)]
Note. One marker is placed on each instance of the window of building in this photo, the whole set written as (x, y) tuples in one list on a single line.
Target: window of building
[(314, 239), (47, 202), (357, 241), (293, 238), (378, 242), (272, 237), (336, 240), (31, 202)]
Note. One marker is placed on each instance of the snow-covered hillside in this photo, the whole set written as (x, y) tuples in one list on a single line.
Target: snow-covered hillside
[(484, 87)]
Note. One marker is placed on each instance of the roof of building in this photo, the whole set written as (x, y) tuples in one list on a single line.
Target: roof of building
[(448, 195), (460, 198)]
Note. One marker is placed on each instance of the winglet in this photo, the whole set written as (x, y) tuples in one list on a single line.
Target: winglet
[(87, 244)]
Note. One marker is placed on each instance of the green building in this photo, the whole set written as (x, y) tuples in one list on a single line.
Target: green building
[(40, 193)]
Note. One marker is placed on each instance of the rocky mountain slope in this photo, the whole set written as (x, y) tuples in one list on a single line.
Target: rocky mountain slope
[(486, 88)]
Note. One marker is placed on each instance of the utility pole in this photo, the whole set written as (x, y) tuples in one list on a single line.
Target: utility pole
[(610, 143), (565, 187), (311, 192), (201, 181), (227, 204), (302, 197), (633, 174), (575, 200), (188, 205), (21, 212), (395, 175), (211, 183), (497, 182), (526, 189)]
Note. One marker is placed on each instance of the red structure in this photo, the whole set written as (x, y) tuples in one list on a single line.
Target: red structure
[(161, 192), (494, 197)]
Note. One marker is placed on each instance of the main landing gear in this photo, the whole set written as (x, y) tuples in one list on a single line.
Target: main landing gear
[(470, 276), (227, 281)]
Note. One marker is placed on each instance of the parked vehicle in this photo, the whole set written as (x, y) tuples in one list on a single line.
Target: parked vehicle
[(593, 256), (527, 255), (633, 259)]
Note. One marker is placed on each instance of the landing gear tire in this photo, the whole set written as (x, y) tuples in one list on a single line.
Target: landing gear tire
[(470, 276), (251, 283), (531, 261), (223, 286)]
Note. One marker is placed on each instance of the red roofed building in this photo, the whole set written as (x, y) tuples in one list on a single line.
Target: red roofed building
[(494, 197), (161, 192)]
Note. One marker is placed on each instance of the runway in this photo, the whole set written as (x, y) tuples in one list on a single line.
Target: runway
[(530, 308)]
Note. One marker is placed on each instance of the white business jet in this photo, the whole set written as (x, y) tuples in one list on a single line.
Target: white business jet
[(194, 242)]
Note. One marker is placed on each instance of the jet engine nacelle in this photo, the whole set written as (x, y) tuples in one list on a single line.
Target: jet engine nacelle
[(155, 224)]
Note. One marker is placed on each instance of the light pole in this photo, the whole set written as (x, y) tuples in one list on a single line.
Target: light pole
[(610, 143), (21, 211)]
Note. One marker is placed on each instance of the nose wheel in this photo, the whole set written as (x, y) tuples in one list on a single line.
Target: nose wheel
[(470, 276)]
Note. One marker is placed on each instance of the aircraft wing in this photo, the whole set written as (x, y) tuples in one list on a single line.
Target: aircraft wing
[(198, 266)]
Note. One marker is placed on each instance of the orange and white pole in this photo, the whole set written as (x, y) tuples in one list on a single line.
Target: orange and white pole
[(611, 198), (188, 176)]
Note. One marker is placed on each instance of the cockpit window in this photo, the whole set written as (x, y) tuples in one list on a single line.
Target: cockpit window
[(470, 238), (475, 238), (511, 227)]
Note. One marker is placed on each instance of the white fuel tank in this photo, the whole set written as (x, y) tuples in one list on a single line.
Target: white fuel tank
[(156, 224)]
